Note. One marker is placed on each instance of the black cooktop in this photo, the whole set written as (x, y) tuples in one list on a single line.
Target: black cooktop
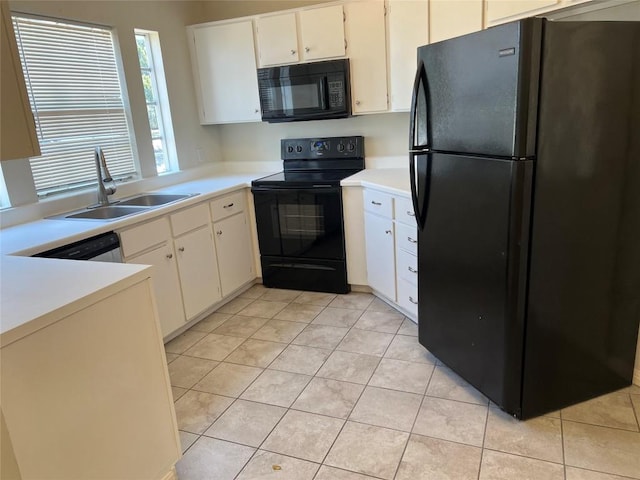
[(304, 179)]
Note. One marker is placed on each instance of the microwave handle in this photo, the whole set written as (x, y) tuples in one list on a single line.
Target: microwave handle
[(324, 100)]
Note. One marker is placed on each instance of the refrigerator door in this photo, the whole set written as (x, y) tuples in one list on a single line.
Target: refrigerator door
[(472, 261), (482, 90)]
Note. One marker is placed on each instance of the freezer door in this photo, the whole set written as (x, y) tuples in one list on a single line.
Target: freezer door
[(472, 261), (482, 90)]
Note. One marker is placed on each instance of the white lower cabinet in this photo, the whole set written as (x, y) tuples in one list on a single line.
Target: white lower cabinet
[(407, 256), (198, 269), (233, 246), (391, 240), (166, 285), (379, 235), (194, 267), (151, 244)]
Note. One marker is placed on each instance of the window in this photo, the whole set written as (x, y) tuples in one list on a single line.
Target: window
[(156, 97), (75, 94)]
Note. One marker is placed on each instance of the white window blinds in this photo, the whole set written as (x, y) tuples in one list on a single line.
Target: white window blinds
[(73, 86)]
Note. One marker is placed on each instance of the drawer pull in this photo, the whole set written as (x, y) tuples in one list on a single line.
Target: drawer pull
[(219, 232), (410, 213), (181, 249), (388, 232), (169, 256), (412, 270), (412, 300), (411, 240), (228, 206), (376, 203)]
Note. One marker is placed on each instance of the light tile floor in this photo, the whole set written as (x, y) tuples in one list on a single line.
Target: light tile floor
[(290, 385)]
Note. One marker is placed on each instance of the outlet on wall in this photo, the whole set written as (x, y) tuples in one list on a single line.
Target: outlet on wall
[(200, 155)]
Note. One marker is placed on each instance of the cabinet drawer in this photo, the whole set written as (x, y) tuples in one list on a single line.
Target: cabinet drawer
[(189, 219), (226, 206), (142, 237), (408, 297), (407, 238), (403, 211), (378, 202), (407, 266)]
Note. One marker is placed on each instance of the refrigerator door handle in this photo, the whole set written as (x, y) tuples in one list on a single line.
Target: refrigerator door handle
[(420, 79), (419, 204)]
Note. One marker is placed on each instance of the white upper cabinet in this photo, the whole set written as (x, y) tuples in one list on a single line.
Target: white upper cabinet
[(407, 29), (17, 128), (277, 39), (506, 10), (224, 66), (322, 33), (452, 18), (313, 34), (366, 49)]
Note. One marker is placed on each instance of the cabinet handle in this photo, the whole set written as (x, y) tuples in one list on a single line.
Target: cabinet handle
[(293, 52), (412, 270), (228, 206), (181, 249), (169, 256), (357, 102), (376, 203), (219, 232), (388, 232), (412, 300), (410, 213), (256, 110), (306, 49), (411, 240)]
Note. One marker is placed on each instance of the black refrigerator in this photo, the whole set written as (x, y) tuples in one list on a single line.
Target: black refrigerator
[(525, 177)]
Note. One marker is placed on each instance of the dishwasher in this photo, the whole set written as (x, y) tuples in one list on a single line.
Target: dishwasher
[(101, 248)]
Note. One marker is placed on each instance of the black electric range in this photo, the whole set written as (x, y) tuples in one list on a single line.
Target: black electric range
[(299, 214)]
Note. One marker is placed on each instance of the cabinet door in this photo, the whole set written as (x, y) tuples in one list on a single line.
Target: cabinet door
[(408, 29), (16, 121), (381, 270), (277, 39), (225, 73), (366, 49), (497, 10), (322, 33), (235, 253), (452, 18), (198, 270), (166, 286)]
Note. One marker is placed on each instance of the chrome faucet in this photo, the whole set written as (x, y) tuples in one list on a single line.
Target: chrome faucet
[(103, 176)]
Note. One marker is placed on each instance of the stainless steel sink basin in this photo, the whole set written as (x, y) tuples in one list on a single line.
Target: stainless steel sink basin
[(153, 199), (143, 202), (106, 213)]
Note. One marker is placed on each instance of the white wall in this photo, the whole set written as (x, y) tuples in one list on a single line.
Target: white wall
[(386, 137)]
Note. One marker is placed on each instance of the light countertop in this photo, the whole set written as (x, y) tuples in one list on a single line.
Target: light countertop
[(34, 237), (36, 292), (390, 180)]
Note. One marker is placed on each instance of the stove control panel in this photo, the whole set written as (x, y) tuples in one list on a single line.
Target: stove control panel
[(318, 148)]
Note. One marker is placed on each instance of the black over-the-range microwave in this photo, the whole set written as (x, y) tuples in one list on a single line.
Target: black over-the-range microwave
[(307, 91)]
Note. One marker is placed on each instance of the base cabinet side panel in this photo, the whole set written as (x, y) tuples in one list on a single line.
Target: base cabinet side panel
[(88, 396)]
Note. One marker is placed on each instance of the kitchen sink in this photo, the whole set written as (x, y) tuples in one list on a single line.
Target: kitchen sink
[(153, 199), (106, 213), (143, 202)]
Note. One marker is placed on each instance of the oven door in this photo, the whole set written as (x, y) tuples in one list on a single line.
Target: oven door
[(300, 222)]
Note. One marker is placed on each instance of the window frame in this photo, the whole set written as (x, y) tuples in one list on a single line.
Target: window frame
[(159, 89)]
